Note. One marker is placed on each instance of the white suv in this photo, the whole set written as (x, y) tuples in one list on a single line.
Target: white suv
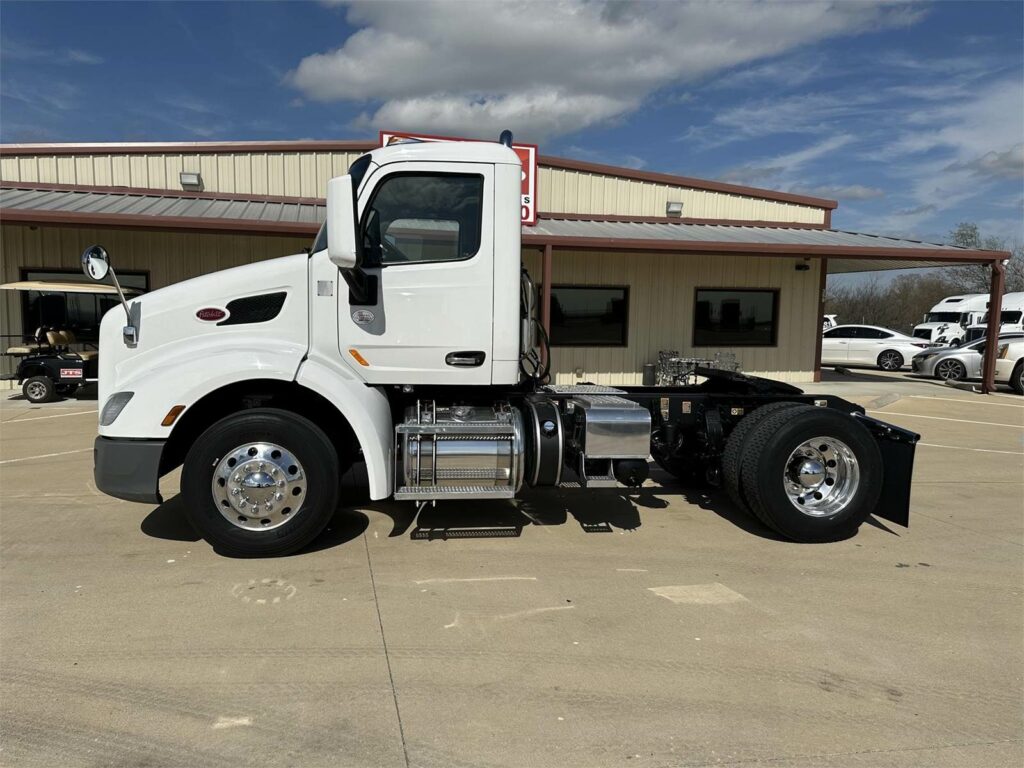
[(1010, 365)]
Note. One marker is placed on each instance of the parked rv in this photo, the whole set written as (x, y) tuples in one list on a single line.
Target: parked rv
[(1011, 318), (947, 320)]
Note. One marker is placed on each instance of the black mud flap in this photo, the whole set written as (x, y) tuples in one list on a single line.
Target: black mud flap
[(897, 446)]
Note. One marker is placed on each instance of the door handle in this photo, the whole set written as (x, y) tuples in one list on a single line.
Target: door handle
[(465, 359)]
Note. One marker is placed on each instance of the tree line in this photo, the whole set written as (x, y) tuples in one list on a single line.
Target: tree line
[(900, 303)]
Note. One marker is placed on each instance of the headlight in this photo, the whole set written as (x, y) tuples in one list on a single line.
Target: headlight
[(1004, 350), (113, 407)]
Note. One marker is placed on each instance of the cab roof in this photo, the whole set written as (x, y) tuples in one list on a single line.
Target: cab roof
[(445, 151)]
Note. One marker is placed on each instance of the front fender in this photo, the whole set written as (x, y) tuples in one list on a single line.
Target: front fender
[(183, 373), (367, 411)]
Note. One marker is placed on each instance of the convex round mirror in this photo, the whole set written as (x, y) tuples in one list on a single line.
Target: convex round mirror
[(95, 262)]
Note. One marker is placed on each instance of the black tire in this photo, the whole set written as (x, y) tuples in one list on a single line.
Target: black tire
[(39, 389), (300, 437), (950, 370), (732, 457), (769, 448), (890, 360), (1017, 378)]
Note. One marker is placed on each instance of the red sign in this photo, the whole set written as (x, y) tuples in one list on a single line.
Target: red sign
[(527, 156), (71, 373)]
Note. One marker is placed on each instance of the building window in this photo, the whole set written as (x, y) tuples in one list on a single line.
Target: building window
[(424, 217), (589, 316), (739, 317), (79, 313)]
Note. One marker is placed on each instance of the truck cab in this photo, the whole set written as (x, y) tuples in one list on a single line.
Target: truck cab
[(1011, 318), (947, 321), (408, 338)]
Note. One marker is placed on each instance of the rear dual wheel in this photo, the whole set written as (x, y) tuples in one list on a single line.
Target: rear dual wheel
[(811, 474), (261, 483)]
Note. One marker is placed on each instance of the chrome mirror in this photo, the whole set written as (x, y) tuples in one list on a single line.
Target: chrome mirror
[(95, 262), (96, 266)]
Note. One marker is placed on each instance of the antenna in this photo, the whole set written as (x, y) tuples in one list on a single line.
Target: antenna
[(506, 138)]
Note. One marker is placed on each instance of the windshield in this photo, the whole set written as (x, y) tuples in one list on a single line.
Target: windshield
[(942, 317), (357, 171), (1009, 316)]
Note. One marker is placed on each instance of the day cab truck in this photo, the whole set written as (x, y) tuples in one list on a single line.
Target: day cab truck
[(1011, 318), (947, 322), (408, 338)]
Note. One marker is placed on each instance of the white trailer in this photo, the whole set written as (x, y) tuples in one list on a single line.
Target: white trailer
[(407, 338), (1011, 318), (947, 321)]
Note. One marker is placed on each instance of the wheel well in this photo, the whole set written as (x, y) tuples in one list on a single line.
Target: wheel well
[(259, 393)]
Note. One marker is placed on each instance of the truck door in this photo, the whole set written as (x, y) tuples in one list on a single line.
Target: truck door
[(426, 232)]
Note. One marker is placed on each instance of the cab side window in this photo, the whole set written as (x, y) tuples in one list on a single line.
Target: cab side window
[(423, 217)]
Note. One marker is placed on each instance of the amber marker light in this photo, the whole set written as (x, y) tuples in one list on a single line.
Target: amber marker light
[(172, 415), (358, 358)]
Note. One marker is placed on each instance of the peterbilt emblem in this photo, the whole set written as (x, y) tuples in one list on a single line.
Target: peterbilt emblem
[(211, 314), (363, 317)]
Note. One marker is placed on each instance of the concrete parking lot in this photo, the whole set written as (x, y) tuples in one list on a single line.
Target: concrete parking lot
[(653, 629)]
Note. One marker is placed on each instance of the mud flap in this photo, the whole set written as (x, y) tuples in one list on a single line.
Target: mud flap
[(897, 446)]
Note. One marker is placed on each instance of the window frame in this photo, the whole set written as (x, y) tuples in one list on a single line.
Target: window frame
[(364, 216), (597, 344), (776, 302)]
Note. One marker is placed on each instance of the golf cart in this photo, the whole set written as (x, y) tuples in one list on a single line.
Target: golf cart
[(52, 362)]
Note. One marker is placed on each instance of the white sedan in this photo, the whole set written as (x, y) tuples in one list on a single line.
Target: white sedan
[(1010, 365), (868, 345)]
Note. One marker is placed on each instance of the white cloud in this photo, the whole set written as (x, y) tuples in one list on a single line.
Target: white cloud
[(546, 69), (781, 170), (842, 192)]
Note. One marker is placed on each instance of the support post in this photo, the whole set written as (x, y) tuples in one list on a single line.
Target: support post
[(545, 290), (822, 279), (995, 308)]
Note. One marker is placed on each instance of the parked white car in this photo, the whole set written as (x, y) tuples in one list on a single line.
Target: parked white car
[(1010, 365), (868, 345)]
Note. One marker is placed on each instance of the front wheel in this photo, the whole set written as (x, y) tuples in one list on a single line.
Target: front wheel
[(890, 360), (261, 483), (812, 474), (950, 370)]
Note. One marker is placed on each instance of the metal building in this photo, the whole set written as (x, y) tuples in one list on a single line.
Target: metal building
[(626, 270)]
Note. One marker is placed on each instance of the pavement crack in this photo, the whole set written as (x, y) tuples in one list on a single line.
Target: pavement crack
[(387, 656)]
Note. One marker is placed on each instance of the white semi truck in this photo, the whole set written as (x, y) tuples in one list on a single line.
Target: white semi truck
[(1011, 318), (947, 321), (407, 338)]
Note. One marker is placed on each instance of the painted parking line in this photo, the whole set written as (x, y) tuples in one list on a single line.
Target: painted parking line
[(978, 450), (45, 456), (979, 401), (16, 420), (699, 594), (944, 418)]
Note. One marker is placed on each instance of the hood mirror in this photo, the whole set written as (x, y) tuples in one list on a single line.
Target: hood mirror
[(95, 262), (96, 266)]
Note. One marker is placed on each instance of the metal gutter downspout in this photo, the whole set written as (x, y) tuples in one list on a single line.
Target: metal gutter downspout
[(995, 308)]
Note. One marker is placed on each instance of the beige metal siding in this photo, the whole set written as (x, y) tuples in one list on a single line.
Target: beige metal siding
[(566, 191), (305, 174), (298, 174), (168, 257), (661, 310)]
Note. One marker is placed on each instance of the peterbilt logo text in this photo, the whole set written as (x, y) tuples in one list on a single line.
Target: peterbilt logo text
[(211, 314)]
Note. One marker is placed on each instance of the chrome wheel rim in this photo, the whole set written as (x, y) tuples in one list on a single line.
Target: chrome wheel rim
[(948, 369), (890, 361), (36, 390), (258, 486), (821, 476)]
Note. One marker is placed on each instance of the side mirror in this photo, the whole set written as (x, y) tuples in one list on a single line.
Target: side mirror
[(95, 262), (341, 224), (96, 266)]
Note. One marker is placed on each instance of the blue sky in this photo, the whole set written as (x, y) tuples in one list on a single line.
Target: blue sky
[(912, 115)]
